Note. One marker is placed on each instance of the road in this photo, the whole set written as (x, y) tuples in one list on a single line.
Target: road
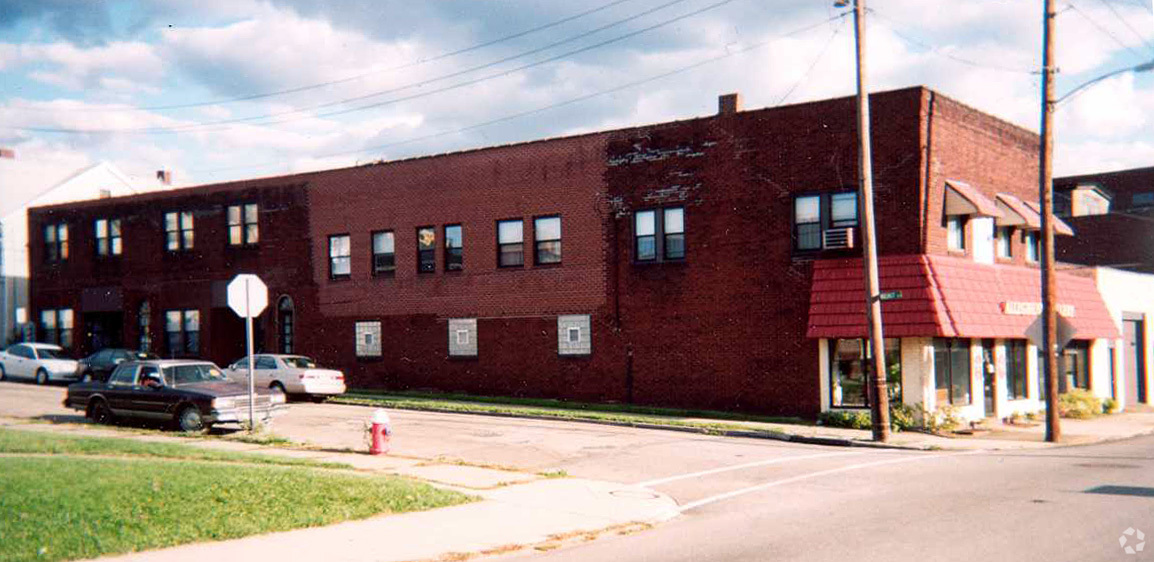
[(745, 499)]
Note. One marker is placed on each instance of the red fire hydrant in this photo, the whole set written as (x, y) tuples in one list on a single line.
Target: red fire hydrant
[(381, 430)]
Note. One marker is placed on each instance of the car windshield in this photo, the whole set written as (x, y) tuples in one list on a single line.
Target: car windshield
[(193, 374), (50, 353), (299, 362)]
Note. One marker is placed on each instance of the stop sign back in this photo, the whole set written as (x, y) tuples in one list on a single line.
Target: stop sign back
[(247, 295)]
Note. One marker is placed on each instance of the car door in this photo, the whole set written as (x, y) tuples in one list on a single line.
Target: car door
[(151, 402), (119, 389), (264, 370), (23, 362)]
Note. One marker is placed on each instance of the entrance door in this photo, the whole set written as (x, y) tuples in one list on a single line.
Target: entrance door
[(103, 329), (989, 375), (1135, 362)]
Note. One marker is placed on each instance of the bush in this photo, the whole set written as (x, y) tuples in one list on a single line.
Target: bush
[(943, 419), (845, 418), (1109, 406), (903, 417), (1079, 404)]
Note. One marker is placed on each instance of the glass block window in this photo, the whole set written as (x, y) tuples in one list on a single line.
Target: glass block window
[(463, 337), (368, 339), (574, 335)]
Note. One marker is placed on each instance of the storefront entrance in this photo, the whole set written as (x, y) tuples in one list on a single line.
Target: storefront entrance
[(1135, 362), (989, 376), (103, 329)]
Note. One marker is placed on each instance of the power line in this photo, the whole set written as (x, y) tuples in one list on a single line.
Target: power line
[(549, 107), (812, 65), (1119, 17), (199, 126), (298, 89), (1105, 31), (941, 53)]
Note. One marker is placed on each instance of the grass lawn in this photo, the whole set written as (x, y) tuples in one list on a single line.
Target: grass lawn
[(17, 441), (62, 507), (709, 420)]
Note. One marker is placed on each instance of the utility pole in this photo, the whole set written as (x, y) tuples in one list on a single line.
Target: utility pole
[(879, 397), (1046, 194)]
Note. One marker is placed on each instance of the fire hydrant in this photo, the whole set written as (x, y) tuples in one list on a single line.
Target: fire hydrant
[(381, 431)]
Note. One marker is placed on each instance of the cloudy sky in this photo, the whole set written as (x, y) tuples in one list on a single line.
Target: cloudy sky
[(225, 89)]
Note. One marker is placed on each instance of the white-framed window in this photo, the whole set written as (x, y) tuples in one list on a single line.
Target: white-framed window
[(1005, 236), (179, 231), (462, 337), (659, 234), (368, 335), (108, 240), (340, 256), (1033, 248), (574, 335), (547, 235), (243, 225), (510, 243), (956, 233)]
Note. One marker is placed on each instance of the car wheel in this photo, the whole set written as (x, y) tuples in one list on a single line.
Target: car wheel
[(189, 419), (100, 413), (42, 377), (276, 385)]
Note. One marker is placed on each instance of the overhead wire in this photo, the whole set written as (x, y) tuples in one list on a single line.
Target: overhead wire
[(937, 51), (816, 60), (1104, 30), (1126, 23)]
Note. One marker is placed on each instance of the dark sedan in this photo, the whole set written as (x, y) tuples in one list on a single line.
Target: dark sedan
[(99, 365), (193, 395)]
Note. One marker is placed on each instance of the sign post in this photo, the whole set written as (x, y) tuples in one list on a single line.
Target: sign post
[(248, 297)]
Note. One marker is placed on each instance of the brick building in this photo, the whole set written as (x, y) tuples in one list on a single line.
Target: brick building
[(711, 262), (1110, 211)]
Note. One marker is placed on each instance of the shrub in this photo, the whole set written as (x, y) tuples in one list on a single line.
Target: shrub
[(1109, 406), (1079, 404), (943, 419), (903, 417), (845, 418)]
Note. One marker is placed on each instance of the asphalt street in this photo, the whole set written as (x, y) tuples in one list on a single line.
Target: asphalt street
[(748, 499)]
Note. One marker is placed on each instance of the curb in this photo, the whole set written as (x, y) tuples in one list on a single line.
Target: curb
[(770, 435)]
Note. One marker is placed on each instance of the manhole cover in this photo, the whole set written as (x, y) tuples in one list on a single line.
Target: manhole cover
[(636, 494)]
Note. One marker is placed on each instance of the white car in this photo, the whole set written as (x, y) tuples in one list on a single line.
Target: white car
[(43, 362), (291, 374)]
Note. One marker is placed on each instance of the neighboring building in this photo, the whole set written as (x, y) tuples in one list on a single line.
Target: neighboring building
[(1113, 213), (99, 180), (712, 263)]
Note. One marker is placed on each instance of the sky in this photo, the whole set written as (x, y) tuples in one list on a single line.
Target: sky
[(216, 90)]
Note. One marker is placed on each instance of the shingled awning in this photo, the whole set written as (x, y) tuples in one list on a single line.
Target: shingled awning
[(962, 199), (948, 297)]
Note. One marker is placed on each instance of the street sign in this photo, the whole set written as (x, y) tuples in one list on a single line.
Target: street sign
[(1066, 332), (247, 295), (890, 295)]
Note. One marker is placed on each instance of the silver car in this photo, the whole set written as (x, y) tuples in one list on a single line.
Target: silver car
[(291, 374), (42, 362)]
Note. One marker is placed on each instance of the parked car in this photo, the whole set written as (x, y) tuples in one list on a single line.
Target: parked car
[(291, 374), (42, 362), (100, 364), (193, 395)]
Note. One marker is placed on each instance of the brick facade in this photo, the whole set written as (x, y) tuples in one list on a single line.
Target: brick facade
[(724, 327)]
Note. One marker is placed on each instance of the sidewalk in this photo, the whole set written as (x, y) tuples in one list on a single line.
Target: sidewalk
[(517, 510)]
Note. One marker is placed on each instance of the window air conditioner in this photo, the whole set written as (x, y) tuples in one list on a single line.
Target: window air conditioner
[(837, 238)]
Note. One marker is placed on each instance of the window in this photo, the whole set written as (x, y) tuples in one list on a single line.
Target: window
[(124, 375), (956, 233), (645, 235), (462, 337), (1142, 199), (1005, 236), (384, 253), (547, 234), (56, 242), (510, 243), (144, 327), (264, 362), (1016, 369), (849, 367), (243, 226), (108, 241), (573, 335), (56, 325), (340, 257), (1033, 251), (952, 370), (1074, 366), (454, 248), (426, 250), (659, 233), (179, 231), (673, 226), (182, 332), (368, 339), (814, 214), (286, 314)]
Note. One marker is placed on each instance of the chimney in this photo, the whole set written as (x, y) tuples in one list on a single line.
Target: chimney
[(164, 176), (728, 104), (7, 153), (105, 193)]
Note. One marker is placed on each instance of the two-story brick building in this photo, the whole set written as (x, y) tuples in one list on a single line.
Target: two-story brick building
[(712, 262)]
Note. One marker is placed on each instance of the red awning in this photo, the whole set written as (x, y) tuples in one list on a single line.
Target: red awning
[(948, 297), (1016, 213), (962, 199), (1060, 226)]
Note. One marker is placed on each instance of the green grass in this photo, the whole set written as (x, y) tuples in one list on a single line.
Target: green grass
[(66, 507), (16, 441), (557, 409)]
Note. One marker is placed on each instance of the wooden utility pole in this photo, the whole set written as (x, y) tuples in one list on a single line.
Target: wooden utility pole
[(879, 397), (1046, 194)]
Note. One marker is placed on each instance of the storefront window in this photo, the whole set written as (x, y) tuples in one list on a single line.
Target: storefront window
[(1016, 369), (952, 370), (1075, 366), (849, 363)]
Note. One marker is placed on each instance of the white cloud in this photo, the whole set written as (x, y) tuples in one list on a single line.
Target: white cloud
[(124, 64)]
